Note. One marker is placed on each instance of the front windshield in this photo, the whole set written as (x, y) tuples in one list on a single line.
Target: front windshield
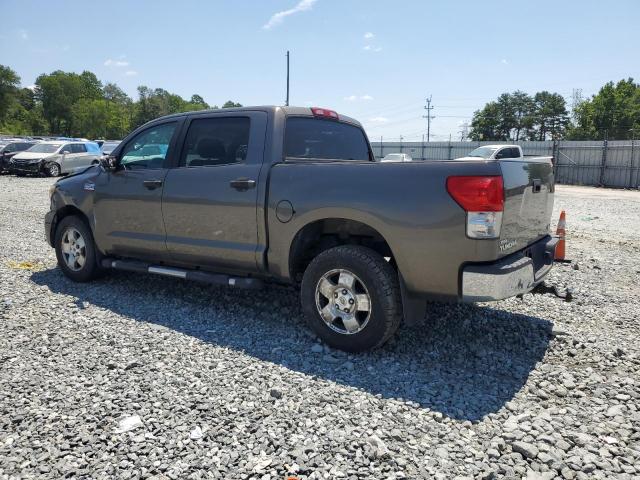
[(45, 147), (483, 152)]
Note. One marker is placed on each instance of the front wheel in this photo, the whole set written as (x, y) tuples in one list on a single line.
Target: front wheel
[(75, 250), (52, 169), (351, 298)]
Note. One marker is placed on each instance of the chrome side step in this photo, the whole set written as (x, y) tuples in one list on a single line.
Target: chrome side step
[(195, 275)]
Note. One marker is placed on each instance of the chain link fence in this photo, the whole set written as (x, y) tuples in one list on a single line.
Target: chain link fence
[(608, 163)]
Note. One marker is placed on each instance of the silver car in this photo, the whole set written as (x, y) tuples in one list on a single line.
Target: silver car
[(55, 158)]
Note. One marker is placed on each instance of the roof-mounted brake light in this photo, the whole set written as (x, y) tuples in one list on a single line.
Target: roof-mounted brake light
[(323, 112)]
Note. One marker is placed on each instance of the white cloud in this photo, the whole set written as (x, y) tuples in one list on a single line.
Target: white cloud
[(379, 120), (24, 35), (371, 48), (32, 87), (115, 63), (504, 61), (369, 35), (131, 73), (277, 18), (355, 98)]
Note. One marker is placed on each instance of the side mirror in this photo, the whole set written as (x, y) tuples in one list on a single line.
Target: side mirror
[(65, 152), (109, 162)]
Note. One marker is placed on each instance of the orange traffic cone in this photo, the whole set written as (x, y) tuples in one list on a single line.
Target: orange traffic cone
[(561, 233)]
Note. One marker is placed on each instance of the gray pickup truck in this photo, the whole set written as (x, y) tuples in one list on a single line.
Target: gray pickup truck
[(294, 195)]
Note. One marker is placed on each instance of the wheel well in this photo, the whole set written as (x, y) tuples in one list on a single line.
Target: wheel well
[(66, 211), (321, 235)]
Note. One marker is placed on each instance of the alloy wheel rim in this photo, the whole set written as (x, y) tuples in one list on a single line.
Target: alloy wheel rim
[(74, 249), (343, 301), (53, 170)]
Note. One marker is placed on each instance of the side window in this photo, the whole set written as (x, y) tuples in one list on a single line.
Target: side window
[(78, 148), (10, 148), (66, 148), (216, 141), (515, 153), (148, 149)]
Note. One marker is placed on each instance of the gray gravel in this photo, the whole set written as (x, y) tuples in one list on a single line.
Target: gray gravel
[(145, 377)]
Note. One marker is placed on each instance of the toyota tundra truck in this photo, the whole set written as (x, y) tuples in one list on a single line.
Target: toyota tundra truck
[(244, 196)]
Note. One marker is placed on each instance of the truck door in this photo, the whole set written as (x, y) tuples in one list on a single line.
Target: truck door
[(210, 199), (128, 201)]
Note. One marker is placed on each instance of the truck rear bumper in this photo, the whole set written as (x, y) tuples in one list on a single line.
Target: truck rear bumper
[(514, 275)]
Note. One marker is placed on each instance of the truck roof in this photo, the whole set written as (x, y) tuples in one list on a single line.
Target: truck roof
[(273, 109)]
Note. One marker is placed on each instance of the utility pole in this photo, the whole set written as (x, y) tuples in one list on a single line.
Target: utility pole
[(464, 131), (287, 101), (428, 116)]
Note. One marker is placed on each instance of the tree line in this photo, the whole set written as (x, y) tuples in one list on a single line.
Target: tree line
[(613, 112), (80, 105)]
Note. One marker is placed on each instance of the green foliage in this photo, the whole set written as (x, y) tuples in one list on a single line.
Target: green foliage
[(9, 82), (613, 112), (518, 116), (230, 104), (71, 104)]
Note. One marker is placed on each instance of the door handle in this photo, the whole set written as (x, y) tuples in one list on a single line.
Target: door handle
[(152, 184), (242, 183)]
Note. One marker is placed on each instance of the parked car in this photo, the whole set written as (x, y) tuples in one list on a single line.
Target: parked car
[(397, 157), (288, 194), (54, 158), (109, 146), (10, 148), (495, 152)]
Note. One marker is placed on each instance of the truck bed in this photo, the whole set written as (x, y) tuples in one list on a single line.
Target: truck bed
[(408, 204)]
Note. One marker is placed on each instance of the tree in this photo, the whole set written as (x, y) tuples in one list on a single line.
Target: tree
[(114, 93), (9, 83), (517, 116), (485, 123), (230, 104), (551, 116), (614, 111), (59, 91)]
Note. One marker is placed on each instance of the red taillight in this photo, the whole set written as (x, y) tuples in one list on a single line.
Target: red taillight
[(477, 194), (323, 112)]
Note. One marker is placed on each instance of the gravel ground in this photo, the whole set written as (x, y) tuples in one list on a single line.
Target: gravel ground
[(146, 377)]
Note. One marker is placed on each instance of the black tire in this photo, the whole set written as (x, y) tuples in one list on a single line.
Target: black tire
[(52, 169), (90, 268), (380, 282)]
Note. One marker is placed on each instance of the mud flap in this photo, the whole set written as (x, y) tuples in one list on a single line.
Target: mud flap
[(414, 309)]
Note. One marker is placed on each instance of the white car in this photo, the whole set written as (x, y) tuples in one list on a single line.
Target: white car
[(397, 157), (55, 158)]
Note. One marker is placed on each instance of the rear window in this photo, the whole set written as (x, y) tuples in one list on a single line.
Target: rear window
[(316, 138)]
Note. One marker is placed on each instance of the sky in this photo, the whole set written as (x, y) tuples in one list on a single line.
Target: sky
[(374, 60)]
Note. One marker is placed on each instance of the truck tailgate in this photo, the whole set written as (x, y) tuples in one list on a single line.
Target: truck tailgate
[(528, 192)]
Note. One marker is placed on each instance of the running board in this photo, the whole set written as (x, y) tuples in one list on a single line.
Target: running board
[(195, 275)]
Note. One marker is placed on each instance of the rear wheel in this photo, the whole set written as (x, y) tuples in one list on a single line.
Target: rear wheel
[(75, 250), (351, 298)]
